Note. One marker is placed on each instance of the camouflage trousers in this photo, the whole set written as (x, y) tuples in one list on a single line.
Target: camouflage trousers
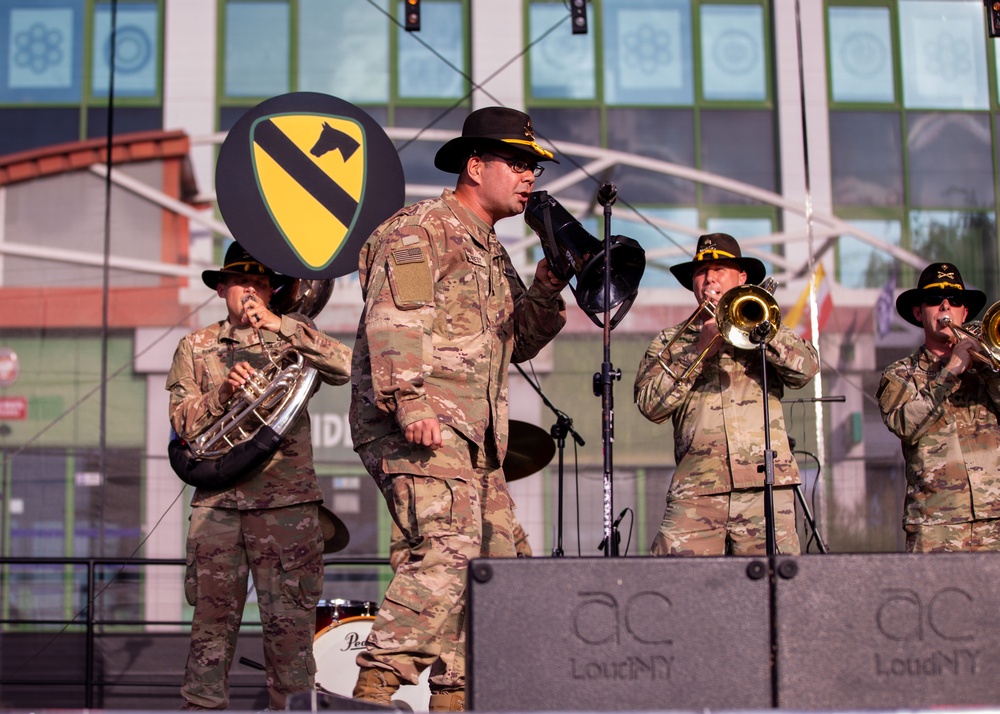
[(450, 514), (283, 549), (399, 549), (726, 524), (971, 536)]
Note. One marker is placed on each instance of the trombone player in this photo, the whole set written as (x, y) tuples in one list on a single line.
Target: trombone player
[(712, 392), (943, 406)]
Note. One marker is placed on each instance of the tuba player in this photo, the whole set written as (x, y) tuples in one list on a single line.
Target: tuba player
[(267, 524), (945, 415)]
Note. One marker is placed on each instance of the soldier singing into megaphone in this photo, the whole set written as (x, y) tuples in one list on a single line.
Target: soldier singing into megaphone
[(445, 314), (266, 522)]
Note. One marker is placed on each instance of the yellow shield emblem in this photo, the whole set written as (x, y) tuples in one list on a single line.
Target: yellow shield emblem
[(310, 171)]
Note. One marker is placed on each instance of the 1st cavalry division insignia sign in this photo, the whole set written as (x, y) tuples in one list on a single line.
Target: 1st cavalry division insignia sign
[(303, 179)]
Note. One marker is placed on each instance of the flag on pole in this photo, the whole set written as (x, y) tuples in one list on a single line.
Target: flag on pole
[(800, 317), (885, 306)]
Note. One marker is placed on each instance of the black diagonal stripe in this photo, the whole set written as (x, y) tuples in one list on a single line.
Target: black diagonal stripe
[(304, 172)]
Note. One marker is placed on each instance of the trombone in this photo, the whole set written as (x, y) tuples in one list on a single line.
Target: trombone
[(986, 332), (747, 315)]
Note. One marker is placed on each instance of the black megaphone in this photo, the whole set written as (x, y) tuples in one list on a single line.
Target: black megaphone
[(572, 252)]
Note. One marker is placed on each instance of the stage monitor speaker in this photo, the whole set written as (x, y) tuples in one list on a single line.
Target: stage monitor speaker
[(888, 631), (591, 634)]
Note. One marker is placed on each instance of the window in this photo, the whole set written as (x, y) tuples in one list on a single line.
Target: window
[(631, 84), (356, 66), (733, 55), (44, 56), (256, 49), (943, 54), (861, 54), (46, 96)]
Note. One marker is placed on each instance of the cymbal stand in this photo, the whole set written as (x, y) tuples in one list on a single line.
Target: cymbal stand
[(559, 430)]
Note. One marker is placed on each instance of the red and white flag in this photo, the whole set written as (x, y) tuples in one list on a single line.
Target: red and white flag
[(800, 317)]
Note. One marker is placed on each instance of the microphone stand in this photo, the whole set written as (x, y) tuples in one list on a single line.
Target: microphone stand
[(607, 194), (759, 336), (563, 426)]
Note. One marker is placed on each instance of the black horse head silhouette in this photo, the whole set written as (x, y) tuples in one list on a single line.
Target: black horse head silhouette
[(331, 139)]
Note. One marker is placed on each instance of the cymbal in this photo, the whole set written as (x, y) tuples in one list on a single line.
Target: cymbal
[(335, 533), (529, 449)]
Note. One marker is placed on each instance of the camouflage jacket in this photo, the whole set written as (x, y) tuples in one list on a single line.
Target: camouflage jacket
[(717, 413), (201, 363), (445, 314), (947, 424)]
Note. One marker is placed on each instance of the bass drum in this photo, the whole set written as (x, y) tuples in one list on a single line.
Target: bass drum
[(335, 649)]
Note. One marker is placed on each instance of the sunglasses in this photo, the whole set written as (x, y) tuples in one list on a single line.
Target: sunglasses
[(935, 300)]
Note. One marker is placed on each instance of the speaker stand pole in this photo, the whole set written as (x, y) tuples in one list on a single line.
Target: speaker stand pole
[(607, 194), (563, 426)]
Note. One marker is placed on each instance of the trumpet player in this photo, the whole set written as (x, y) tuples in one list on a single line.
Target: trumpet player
[(715, 504), (945, 415), (268, 523)]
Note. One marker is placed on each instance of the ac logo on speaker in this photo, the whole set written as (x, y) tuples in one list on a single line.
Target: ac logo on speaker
[(924, 632), (631, 637), (904, 616)]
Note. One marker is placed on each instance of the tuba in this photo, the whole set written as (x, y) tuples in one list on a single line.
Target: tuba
[(258, 416)]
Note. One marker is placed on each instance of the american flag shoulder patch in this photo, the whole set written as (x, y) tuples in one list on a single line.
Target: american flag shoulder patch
[(402, 256)]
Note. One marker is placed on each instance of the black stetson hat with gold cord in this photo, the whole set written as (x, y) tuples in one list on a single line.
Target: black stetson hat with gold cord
[(492, 128), (939, 280), (237, 261), (719, 246)]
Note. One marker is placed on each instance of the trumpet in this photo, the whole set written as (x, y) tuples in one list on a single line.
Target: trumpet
[(747, 316), (986, 332)]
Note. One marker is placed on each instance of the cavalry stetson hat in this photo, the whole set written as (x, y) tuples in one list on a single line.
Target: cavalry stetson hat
[(237, 261), (939, 279), (719, 246), (492, 128)]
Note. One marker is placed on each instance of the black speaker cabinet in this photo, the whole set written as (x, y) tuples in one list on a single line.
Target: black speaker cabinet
[(888, 630), (615, 634)]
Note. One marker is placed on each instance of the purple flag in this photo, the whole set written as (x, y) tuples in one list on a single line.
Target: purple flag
[(885, 306)]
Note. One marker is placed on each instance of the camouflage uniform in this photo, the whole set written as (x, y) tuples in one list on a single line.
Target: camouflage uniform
[(947, 424), (717, 416), (266, 525), (399, 549), (445, 314)]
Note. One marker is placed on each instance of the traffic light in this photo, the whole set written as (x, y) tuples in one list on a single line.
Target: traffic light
[(578, 16), (412, 19), (993, 18)]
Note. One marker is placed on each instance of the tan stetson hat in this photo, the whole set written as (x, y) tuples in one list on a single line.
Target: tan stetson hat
[(335, 535)]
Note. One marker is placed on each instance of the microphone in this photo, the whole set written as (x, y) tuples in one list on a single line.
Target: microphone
[(614, 528), (607, 194), (759, 333)]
